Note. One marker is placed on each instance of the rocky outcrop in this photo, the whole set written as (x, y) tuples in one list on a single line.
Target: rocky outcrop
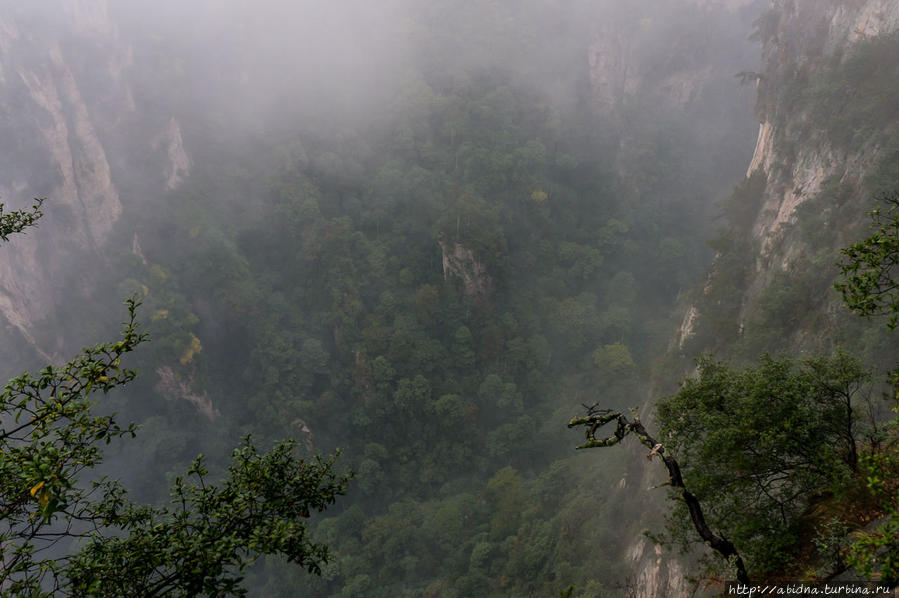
[(86, 186), (70, 130), (178, 164), (57, 154), (673, 62), (800, 160), (171, 386), (464, 264), (625, 61), (801, 39), (657, 575), (609, 60), (686, 327)]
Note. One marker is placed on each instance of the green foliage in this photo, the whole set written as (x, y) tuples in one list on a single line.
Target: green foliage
[(868, 267), (202, 545), (875, 552), (211, 534), (787, 303), (758, 445), (869, 288), (831, 540), (50, 436), (59, 534), (332, 297), (17, 221), (316, 289), (510, 535), (614, 361)]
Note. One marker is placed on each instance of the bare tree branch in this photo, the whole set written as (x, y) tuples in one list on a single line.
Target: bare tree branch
[(597, 418)]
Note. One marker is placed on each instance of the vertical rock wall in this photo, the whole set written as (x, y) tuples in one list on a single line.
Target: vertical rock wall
[(798, 159), (67, 119)]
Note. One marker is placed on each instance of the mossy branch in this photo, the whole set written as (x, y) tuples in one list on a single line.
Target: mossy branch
[(597, 418)]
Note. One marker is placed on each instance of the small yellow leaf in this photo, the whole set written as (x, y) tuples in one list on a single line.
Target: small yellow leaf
[(36, 487), (103, 379), (194, 348)]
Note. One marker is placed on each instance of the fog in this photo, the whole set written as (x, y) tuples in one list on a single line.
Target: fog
[(286, 186), (278, 60)]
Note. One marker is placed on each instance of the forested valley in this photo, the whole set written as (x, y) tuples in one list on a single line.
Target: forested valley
[(422, 237)]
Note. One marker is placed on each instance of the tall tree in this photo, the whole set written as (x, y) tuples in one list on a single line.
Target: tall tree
[(748, 451), (870, 286)]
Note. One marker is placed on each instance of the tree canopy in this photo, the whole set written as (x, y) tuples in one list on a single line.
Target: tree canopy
[(749, 450), (63, 532), (870, 287), (869, 284), (760, 444)]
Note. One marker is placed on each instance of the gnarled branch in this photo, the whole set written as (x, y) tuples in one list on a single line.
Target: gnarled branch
[(597, 418)]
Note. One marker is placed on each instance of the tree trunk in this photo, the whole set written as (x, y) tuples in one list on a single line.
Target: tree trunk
[(718, 543)]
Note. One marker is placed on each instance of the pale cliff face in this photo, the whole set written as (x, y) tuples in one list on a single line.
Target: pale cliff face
[(798, 161), (64, 96), (797, 158), (178, 163)]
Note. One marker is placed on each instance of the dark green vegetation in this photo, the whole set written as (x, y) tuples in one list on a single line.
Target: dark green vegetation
[(204, 542), (796, 306), (295, 287), (429, 285), (874, 551), (869, 267), (18, 220), (762, 446), (781, 460), (854, 96), (443, 387), (432, 288), (596, 418), (61, 535), (868, 286), (793, 460)]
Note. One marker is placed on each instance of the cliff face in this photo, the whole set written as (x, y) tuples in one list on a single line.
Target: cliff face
[(661, 81), (825, 146), (801, 38), (673, 63), (624, 61), (824, 136), (65, 104)]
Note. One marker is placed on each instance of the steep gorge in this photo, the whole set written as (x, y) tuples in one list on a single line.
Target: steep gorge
[(70, 101)]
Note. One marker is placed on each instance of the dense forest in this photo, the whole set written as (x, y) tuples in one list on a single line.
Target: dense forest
[(430, 268), (432, 298)]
